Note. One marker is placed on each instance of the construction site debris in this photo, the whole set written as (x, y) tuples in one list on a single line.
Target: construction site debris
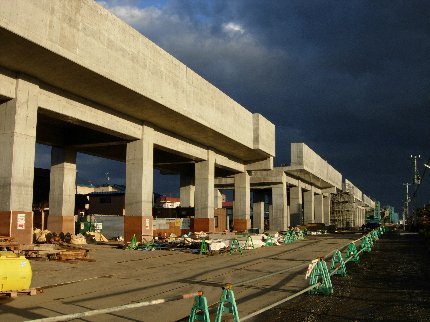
[(7, 243), (212, 243), (53, 252), (78, 239), (97, 236)]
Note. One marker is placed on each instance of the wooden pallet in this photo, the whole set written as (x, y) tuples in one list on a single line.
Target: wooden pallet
[(7, 243), (13, 294)]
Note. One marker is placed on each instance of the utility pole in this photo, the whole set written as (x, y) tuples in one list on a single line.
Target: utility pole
[(416, 176), (406, 210)]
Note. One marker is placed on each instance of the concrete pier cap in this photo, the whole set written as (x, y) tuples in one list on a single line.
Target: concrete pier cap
[(99, 84)]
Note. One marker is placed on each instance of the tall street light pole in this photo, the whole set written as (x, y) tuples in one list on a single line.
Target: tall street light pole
[(407, 205)]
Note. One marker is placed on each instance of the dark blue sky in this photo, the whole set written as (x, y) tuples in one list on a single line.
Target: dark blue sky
[(351, 79)]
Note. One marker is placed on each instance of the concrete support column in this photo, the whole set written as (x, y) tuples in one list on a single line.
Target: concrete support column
[(362, 215), (309, 207), (139, 182), (187, 190), (296, 212), (280, 219), (204, 195), (217, 198), (358, 217), (242, 199), (258, 211), (319, 211), (327, 209), (18, 118), (62, 190)]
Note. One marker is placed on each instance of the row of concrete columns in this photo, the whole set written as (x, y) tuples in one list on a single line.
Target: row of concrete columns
[(18, 119), (305, 207)]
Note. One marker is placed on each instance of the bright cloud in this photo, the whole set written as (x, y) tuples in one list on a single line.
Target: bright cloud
[(232, 28), (136, 16)]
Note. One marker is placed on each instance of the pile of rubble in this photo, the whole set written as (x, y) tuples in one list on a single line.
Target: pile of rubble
[(201, 242), (51, 246), (46, 236)]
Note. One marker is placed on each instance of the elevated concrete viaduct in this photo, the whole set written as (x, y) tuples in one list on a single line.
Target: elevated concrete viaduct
[(300, 193), (77, 78)]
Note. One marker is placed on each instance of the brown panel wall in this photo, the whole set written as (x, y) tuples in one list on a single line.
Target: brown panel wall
[(9, 226)]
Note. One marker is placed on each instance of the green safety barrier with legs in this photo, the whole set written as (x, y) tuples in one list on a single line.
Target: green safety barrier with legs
[(352, 253), (337, 265), (235, 246), (366, 244), (204, 247), (249, 243), (319, 274), (290, 237), (200, 309), (269, 240), (226, 304), (300, 234)]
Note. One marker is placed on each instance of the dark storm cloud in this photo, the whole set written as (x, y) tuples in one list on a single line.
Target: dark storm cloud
[(349, 78)]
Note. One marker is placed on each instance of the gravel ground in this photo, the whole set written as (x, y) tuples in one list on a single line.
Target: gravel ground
[(391, 283)]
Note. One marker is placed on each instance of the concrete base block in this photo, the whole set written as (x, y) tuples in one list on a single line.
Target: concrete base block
[(141, 226), (58, 224), (241, 225), (204, 224), (17, 224)]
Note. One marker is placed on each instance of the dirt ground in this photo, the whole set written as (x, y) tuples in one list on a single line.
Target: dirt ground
[(391, 283)]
